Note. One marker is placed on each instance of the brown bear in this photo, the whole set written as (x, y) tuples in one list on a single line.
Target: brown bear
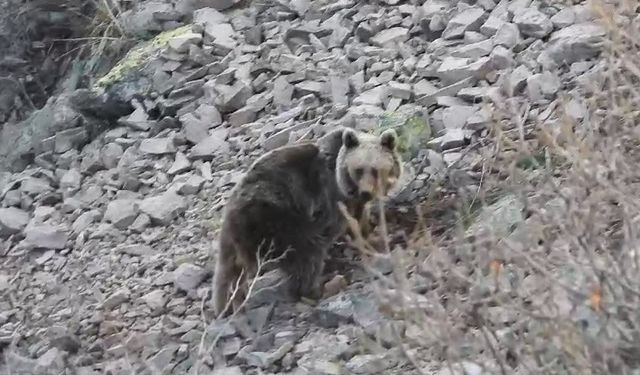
[(286, 207)]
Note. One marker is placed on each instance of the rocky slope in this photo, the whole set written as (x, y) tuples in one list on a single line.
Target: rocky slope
[(105, 236)]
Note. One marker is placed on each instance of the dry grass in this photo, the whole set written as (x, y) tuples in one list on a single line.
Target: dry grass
[(559, 294)]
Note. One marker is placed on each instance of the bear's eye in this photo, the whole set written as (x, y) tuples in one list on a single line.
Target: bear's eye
[(374, 172), (358, 172)]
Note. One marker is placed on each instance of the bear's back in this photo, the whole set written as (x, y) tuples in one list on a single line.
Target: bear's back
[(290, 188)]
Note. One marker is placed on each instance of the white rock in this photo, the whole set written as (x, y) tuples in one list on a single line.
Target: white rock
[(471, 37), (451, 139), (371, 97), (468, 20), (110, 154), (155, 299), (454, 69), (157, 146), (534, 23), (138, 250), (455, 117), (543, 86), (223, 35), (180, 164), (116, 299), (564, 18), (12, 220), (463, 368), (122, 212), (474, 50), (71, 179), (388, 37), (371, 363), (34, 186), (234, 370), (45, 236), (182, 42), (84, 221), (137, 120), (508, 35), (214, 144), (424, 87), (164, 208), (188, 276), (575, 43), (194, 129), (399, 90), (52, 361), (517, 80), (491, 26), (191, 185), (501, 58), (141, 223)]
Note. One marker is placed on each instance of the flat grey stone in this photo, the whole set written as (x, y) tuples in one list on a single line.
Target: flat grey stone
[(576, 43), (474, 50), (454, 69), (491, 26), (468, 20), (165, 207), (455, 117), (12, 221), (45, 236), (180, 164), (181, 43), (543, 86), (71, 180), (517, 80), (188, 276), (116, 299), (110, 154), (122, 212), (508, 35), (388, 37), (531, 22), (215, 144), (84, 221), (157, 146), (564, 18), (191, 184)]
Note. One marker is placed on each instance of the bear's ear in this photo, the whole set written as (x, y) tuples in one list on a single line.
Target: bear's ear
[(350, 138), (388, 139)]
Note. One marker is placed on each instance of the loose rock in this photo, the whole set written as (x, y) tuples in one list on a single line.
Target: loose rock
[(12, 220), (122, 212), (532, 22), (45, 236), (163, 208)]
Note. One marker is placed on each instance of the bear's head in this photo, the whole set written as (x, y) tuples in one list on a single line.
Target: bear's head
[(368, 166)]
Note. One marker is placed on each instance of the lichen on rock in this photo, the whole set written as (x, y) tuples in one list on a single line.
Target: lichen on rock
[(137, 57), (412, 126)]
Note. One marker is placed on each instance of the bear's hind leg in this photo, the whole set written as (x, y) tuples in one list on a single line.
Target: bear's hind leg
[(304, 266)]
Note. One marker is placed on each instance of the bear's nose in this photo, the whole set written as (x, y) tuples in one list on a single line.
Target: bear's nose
[(365, 195)]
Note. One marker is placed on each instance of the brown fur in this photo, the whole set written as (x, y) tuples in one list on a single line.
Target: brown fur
[(288, 198)]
